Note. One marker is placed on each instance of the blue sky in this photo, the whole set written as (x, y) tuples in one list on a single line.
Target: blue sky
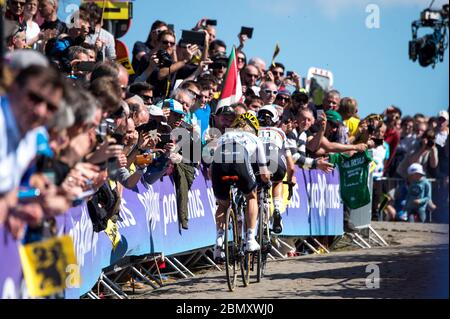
[(371, 65)]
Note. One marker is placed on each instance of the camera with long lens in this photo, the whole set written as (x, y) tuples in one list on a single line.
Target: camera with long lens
[(164, 58), (430, 48)]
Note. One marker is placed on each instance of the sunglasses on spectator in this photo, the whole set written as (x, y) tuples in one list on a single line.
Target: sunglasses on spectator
[(118, 114), (147, 99), (196, 96), (241, 59), (168, 43), (252, 75), (277, 73), (36, 98), (267, 91), (283, 98), (18, 3)]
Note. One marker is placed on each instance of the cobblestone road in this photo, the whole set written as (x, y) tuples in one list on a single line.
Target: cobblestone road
[(414, 266)]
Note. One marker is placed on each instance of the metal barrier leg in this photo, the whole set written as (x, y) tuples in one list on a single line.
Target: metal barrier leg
[(153, 277), (108, 281), (175, 267), (278, 253), (92, 295), (321, 246), (362, 239), (378, 236), (355, 241), (211, 262), (183, 266), (311, 246), (137, 272), (105, 284), (286, 244)]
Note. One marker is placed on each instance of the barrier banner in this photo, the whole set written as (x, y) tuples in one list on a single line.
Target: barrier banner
[(315, 208), (148, 224), (11, 275)]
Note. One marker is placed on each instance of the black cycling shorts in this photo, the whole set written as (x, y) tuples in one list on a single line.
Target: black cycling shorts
[(242, 169), (277, 167)]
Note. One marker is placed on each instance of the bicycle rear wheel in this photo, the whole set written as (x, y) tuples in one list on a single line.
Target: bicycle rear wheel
[(258, 254), (231, 249)]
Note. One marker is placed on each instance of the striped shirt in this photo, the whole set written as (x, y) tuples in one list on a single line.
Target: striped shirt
[(296, 146)]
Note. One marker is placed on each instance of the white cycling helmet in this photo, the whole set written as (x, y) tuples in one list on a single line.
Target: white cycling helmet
[(271, 110)]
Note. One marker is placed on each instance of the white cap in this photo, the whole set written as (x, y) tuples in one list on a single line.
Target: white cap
[(272, 110), (155, 111), (443, 114), (416, 168)]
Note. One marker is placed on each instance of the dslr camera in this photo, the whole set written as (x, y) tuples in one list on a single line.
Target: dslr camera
[(164, 58)]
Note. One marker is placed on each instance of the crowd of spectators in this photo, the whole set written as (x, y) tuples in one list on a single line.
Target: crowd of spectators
[(75, 126)]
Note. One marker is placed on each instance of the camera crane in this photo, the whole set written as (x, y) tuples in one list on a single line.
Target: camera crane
[(430, 48)]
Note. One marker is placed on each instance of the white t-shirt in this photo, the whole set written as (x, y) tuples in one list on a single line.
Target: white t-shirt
[(32, 31), (16, 152)]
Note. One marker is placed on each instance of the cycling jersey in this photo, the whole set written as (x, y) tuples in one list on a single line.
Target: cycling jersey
[(238, 153), (274, 140), (231, 146)]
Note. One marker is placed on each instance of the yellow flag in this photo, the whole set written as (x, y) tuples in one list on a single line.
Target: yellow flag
[(127, 65), (275, 54), (47, 266), (113, 233)]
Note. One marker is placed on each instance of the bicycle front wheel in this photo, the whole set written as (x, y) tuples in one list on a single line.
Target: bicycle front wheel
[(231, 249)]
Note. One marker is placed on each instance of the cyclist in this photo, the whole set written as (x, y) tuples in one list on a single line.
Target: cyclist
[(279, 162), (240, 153)]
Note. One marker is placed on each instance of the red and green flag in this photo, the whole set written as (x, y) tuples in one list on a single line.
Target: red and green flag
[(232, 89)]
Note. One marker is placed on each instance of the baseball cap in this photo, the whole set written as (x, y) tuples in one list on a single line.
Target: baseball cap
[(284, 92), (155, 111), (173, 105), (416, 168), (225, 110), (270, 109), (443, 114), (333, 116)]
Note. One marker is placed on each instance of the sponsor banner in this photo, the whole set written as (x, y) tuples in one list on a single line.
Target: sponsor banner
[(149, 224)]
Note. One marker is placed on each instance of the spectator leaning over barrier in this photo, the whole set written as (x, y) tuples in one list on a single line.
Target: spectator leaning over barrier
[(419, 193), (325, 141), (305, 119), (32, 100)]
